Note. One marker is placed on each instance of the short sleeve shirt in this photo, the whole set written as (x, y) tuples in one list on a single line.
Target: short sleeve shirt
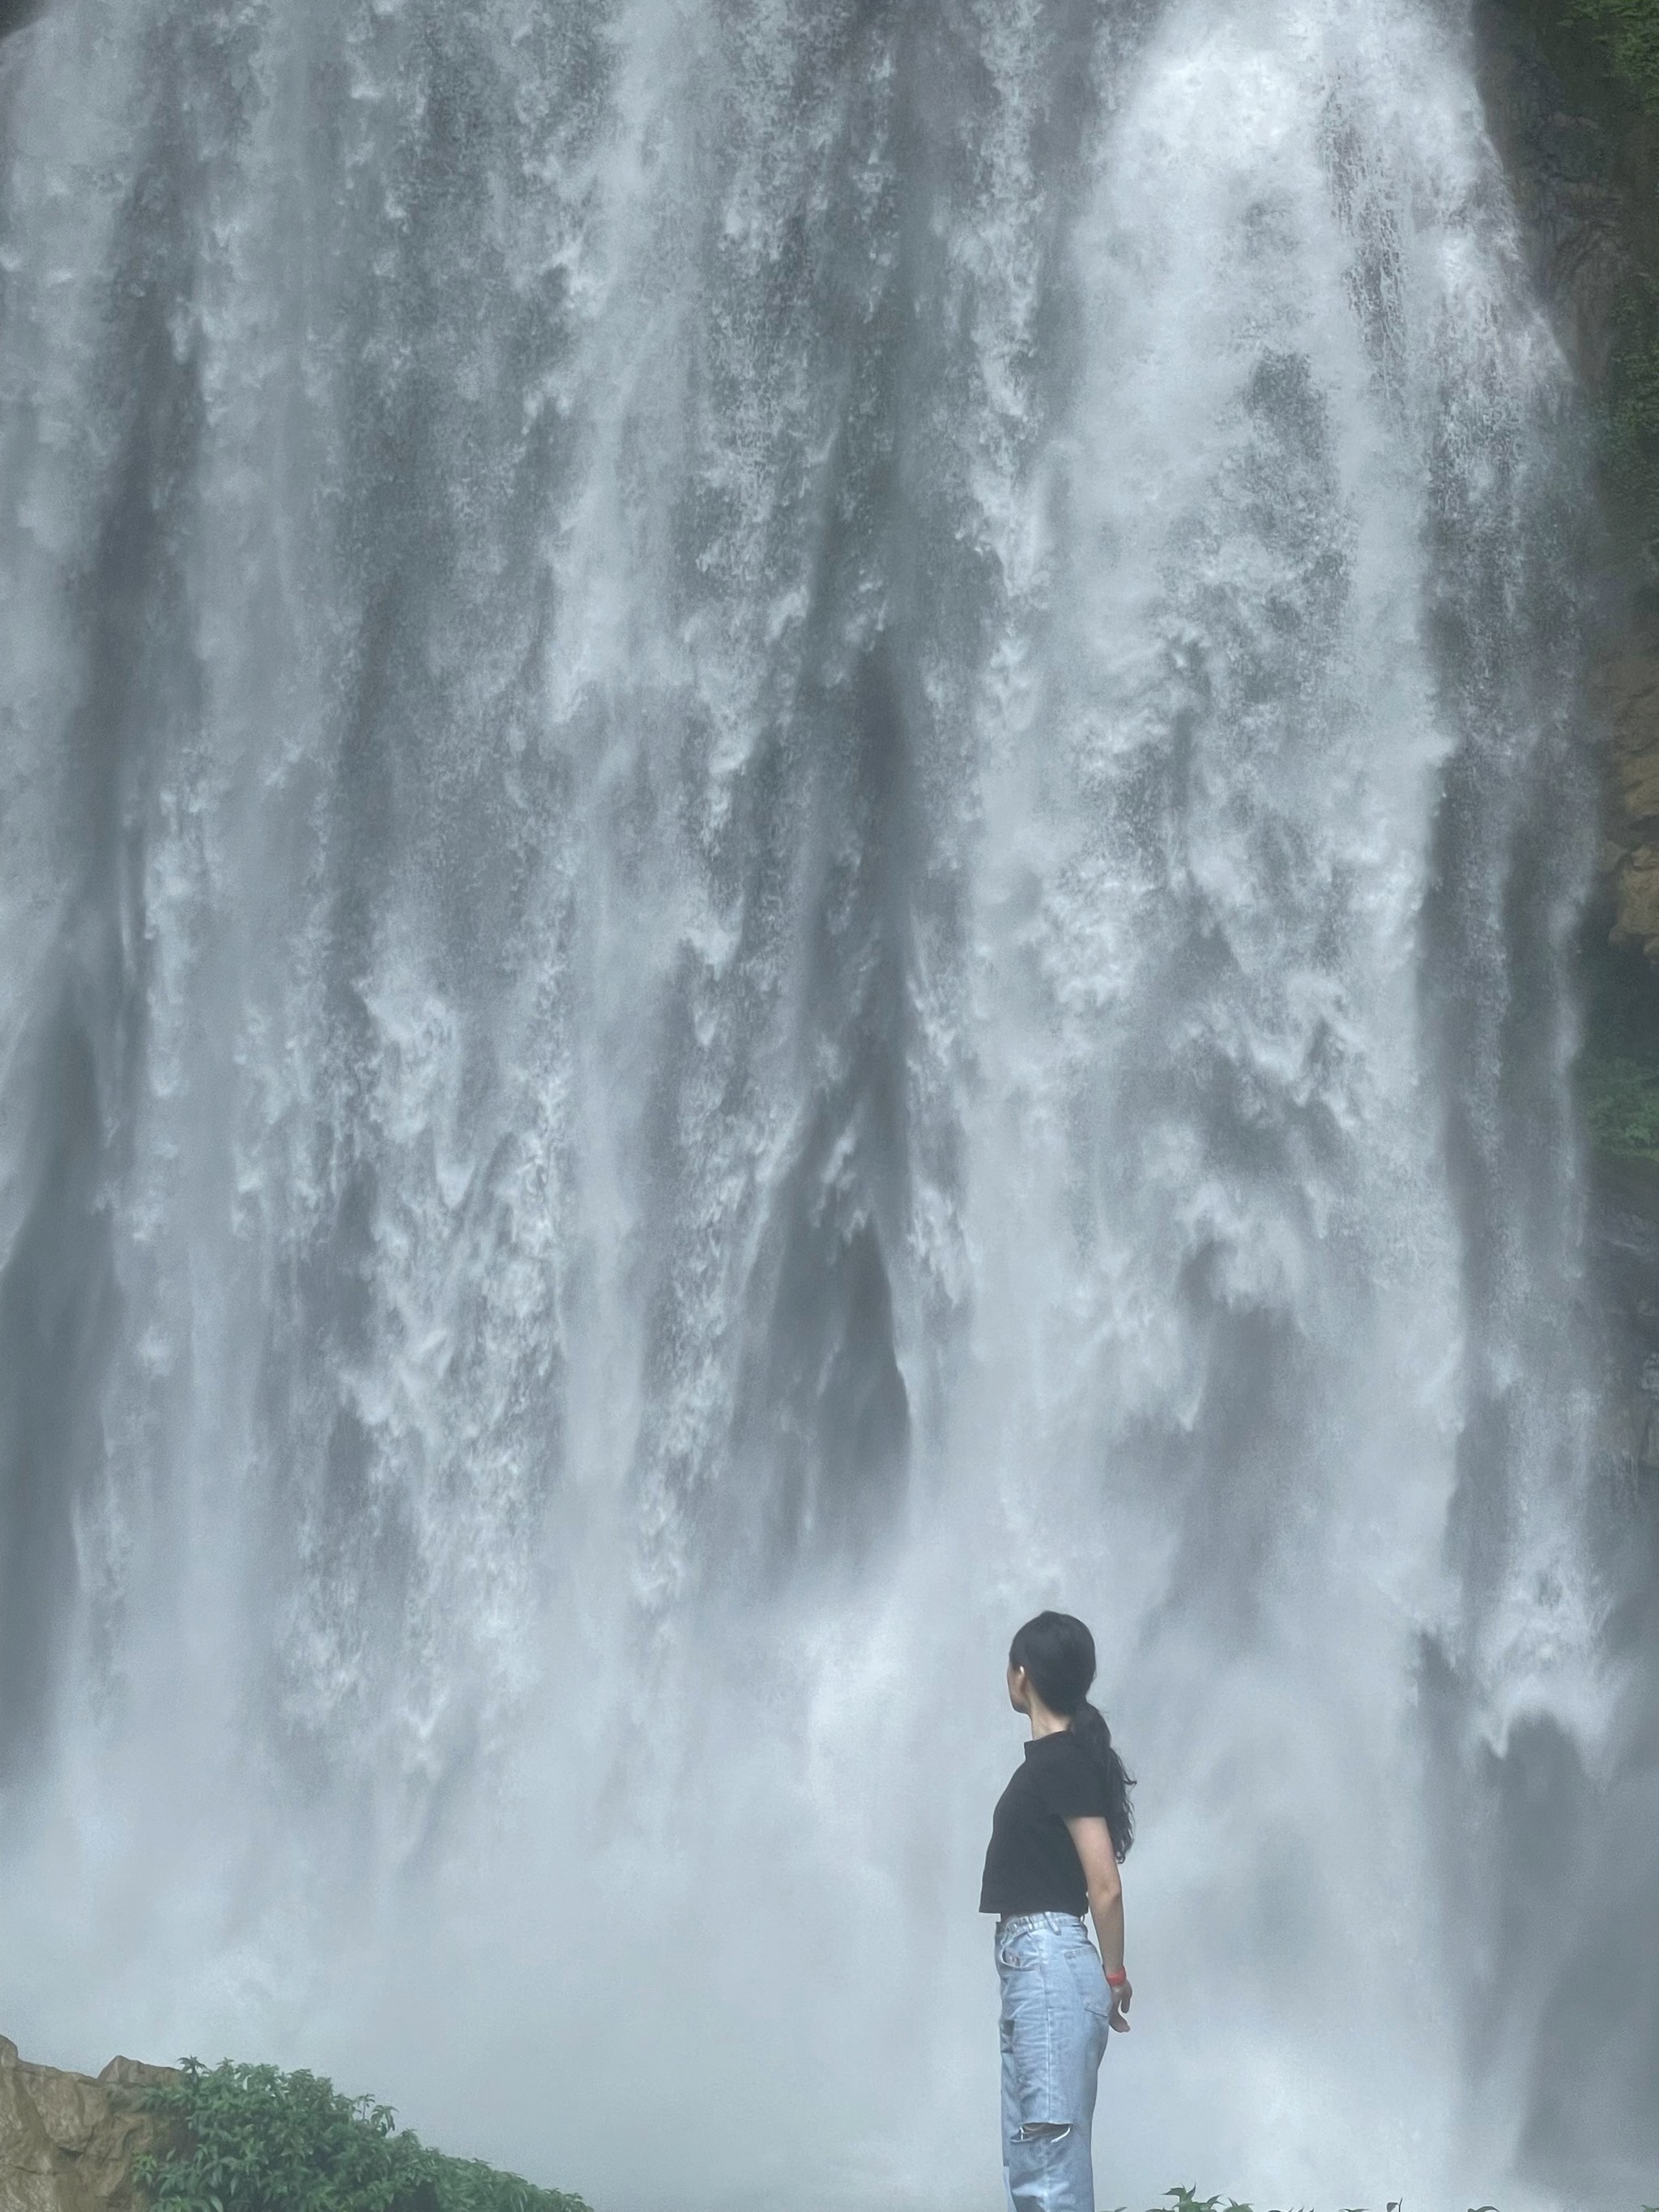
[(1032, 1864)]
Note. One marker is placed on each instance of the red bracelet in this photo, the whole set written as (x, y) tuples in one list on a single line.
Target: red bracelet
[(1117, 1981)]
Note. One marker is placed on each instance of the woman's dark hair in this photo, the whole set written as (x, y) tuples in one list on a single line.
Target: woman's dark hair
[(1058, 1653)]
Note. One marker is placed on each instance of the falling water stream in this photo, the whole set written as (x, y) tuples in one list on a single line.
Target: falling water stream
[(793, 800)]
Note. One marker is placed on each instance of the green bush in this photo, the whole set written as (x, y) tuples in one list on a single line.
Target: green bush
[(1628, 33), (254, 2139), (1621, 1106)]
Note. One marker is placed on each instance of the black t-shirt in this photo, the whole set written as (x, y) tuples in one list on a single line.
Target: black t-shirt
[(1032, 1865)]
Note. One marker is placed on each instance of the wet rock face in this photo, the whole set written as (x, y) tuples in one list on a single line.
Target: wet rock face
[(1584, 165), (1629, 694), (1582, 161), (1569, 165), (1624, 1226), (67, 2142), (13, 13)]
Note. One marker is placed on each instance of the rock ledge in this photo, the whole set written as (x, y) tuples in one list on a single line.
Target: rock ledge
[(67, 2141)]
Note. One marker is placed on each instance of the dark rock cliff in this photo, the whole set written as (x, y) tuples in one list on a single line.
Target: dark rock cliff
[(1571, 90), (1582, 152), (1581, 144)]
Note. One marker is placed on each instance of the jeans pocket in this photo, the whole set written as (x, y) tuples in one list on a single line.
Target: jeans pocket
[(1089, 1979), (1016, 1950)]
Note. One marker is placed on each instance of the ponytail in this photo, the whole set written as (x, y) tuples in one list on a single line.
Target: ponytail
[(1058, 1653), (1089, 1727)]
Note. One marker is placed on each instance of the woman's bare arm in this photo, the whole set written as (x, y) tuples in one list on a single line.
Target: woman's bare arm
[(1093, 1839)]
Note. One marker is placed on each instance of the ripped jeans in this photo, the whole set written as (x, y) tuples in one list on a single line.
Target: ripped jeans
[(1055, 2010)]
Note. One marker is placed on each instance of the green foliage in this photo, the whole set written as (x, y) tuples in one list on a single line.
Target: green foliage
[(1628, 33), (1619, 1070), (1630, 413), (1621, 1107), (1632, 396), (254, 2139)]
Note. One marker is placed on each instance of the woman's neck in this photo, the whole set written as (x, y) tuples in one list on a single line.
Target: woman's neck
[(1043, 1722)]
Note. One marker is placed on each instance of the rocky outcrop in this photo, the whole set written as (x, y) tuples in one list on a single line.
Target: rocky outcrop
[(67, 2141)]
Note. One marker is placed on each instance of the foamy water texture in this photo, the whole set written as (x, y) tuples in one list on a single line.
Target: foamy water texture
[(794, 794)]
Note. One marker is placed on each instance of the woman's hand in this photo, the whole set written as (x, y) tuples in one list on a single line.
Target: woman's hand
[(1122, 1992)]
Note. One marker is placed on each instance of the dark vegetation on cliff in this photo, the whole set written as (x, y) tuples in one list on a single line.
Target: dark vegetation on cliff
[(1577, 100), (1626, 34), (252, 2139), (1571, 91)]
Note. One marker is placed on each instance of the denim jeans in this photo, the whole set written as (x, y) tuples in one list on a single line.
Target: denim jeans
[(1055, 2011)]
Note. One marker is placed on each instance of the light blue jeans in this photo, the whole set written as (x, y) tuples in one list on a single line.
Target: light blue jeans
[(1056, 2009)]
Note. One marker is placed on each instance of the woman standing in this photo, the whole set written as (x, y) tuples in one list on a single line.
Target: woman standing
[(1059, 1830)]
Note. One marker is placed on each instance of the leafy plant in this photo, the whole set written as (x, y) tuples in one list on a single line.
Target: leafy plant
[(1621, 1106), (254, 2139), (1628, 31)]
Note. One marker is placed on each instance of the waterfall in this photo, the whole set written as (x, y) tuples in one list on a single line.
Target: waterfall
[(794, 796)]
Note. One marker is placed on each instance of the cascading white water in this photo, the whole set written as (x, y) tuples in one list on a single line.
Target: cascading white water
[(791, 812)]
